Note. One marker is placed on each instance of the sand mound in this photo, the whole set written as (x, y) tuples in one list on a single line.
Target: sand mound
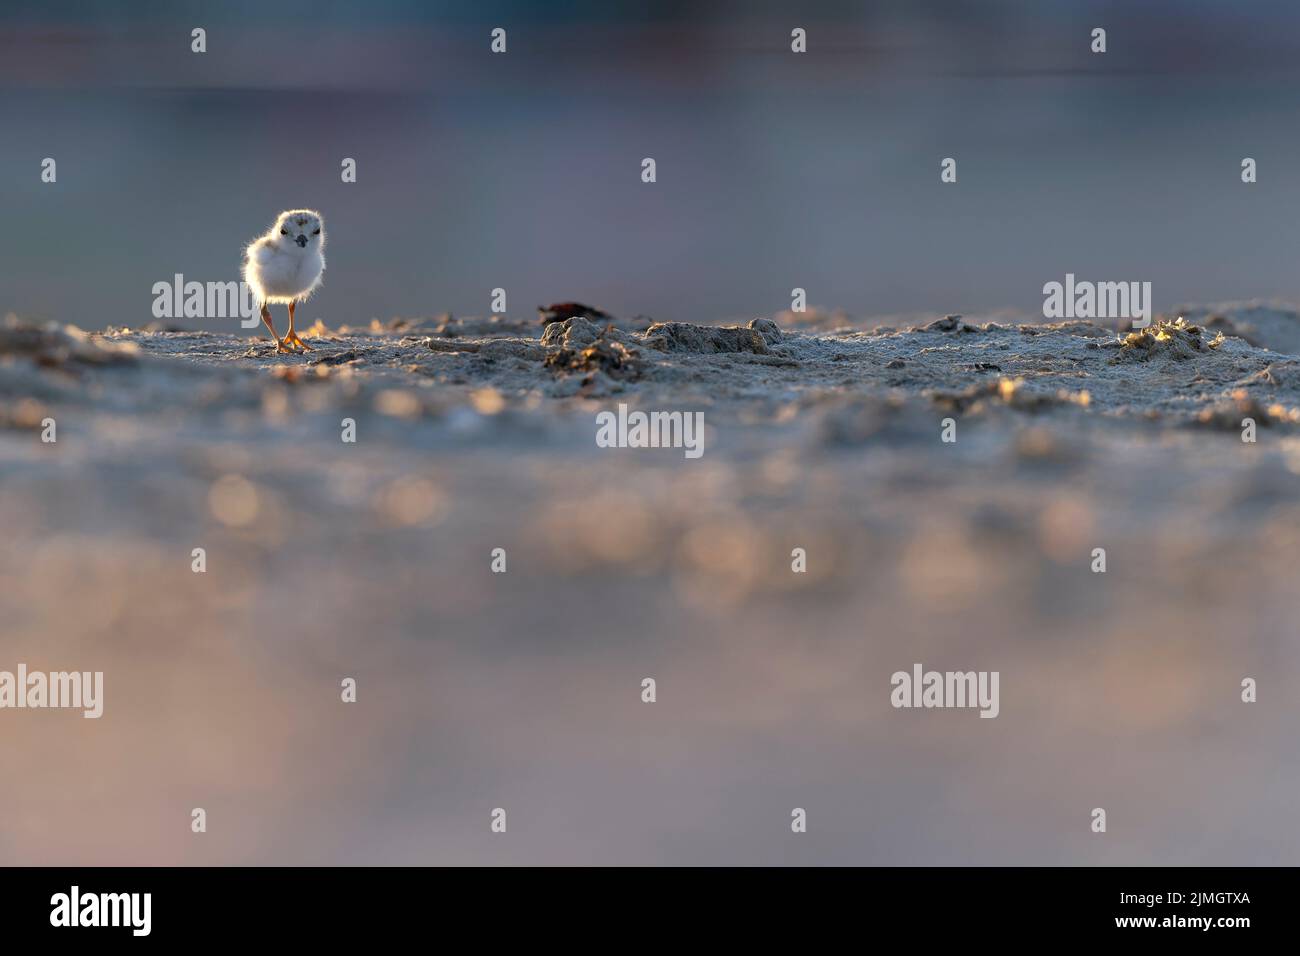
[(1178, 339), (1270, 326), (51, 344), (571, 333), (1229, 413), (1013, 393), (704, 339), (604, 354)]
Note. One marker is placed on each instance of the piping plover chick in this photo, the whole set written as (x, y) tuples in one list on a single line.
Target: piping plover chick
[(286, 265)]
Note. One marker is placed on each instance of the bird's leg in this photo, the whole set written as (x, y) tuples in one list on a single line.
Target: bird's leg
[(266, 317), (292, 337)]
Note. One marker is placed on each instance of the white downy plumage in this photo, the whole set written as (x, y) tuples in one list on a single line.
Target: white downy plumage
[(285, 266)]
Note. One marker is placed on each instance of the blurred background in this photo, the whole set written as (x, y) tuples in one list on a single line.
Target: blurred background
[(775, 170), (371, 560)]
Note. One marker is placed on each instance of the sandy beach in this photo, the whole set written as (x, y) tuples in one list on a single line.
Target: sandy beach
[(328, 559)]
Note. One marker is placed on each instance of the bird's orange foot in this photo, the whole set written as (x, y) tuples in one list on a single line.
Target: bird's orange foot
[(293, 339), (283, 345)]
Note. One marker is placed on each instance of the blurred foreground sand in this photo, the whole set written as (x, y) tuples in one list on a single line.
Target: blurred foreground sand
[(522, 690)]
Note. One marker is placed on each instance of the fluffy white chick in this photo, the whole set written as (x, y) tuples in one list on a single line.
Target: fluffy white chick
[(286, 265)]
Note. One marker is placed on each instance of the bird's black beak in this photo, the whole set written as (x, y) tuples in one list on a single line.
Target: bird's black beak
[(302, 242)]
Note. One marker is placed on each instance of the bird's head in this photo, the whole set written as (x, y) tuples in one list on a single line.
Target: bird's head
[(300, 229)]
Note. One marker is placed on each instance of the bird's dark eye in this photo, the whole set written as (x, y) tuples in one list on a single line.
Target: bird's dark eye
[(284, 232), (316, 232)]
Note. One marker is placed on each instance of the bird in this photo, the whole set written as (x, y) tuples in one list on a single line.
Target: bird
[(286, 265)]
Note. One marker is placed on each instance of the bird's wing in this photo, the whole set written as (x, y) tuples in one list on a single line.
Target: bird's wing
[(257, 251)]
